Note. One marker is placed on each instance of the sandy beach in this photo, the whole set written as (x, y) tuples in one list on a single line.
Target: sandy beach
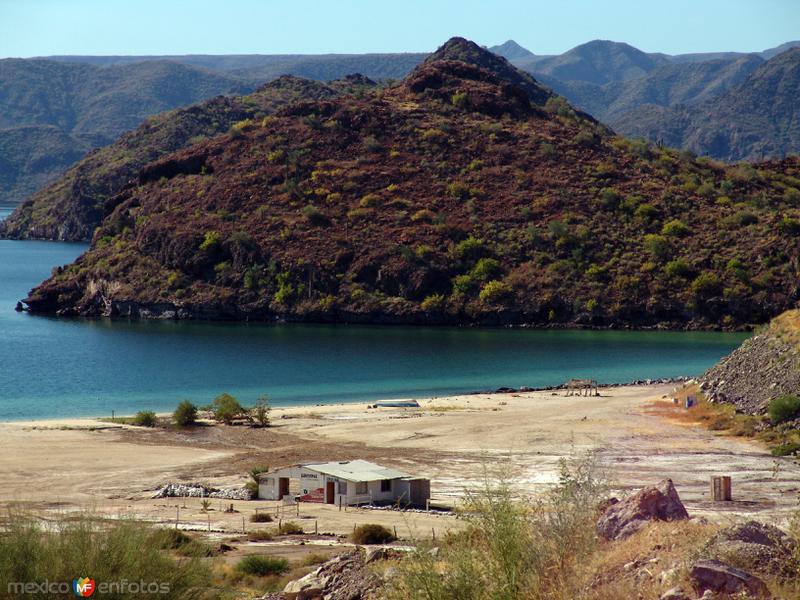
[(84, 464)]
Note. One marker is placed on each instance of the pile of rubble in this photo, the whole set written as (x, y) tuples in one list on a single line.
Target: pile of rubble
[(198, 490)]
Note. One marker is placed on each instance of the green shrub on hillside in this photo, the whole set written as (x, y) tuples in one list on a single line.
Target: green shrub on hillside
[(679, 268), (658, 246), (675, 228), (784, 408), (433, 303), (495, 291), (210, 240)]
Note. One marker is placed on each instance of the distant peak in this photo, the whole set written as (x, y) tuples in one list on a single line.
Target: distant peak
[(511, 50)]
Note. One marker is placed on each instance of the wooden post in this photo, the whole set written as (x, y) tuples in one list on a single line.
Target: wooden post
[(433, 531), (395, 531), (209, 521), (177, 515), (316, 529), (721, 488), (297, 504), (243, 531)]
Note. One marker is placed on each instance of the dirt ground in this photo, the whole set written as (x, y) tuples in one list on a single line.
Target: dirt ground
[(113, 469)]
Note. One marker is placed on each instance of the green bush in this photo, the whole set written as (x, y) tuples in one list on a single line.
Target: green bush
[(675, 228), (261, 566), (226, 408), (784, 408), (62, 549), (185, 414), (495, 291), (679, 268), (210, 240), (658, 246), (314, 215), (706, 284), (433, 303), (261, 517), (259, 413), (789, 226), (371, 533), (145, 418), (290, 528)]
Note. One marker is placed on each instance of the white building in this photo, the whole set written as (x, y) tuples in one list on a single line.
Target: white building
[(344, 483)]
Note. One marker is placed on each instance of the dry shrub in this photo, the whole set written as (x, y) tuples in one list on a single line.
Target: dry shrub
[(512, 548)]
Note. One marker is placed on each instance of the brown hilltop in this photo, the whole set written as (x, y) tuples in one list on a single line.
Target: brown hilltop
[(455, 196)]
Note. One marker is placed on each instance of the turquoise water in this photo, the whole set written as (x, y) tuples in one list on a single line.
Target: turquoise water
[(57, 367)]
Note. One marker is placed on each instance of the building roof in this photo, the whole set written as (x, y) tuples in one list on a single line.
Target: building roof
[(356, 470)]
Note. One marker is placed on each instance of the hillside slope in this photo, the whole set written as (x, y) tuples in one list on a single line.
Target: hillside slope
[(89, 105), (758, 118), (454, 197), (71, 207), (764, 367), (668, 85)]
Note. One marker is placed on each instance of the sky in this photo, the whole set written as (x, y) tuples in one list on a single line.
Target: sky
[(140, 27)]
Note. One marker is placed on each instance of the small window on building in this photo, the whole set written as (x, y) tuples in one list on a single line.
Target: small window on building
[(343, 488), (269, 481), (361, 487), (386, 485)]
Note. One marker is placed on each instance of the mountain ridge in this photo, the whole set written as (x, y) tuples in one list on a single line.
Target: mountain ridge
[(447, 198)]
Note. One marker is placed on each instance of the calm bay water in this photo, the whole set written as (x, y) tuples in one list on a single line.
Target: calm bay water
[(59, 367)]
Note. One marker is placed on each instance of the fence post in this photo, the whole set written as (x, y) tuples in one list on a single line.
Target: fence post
[(316, 530), (177, 515), (395, 531), (433, 531), (209, 521)]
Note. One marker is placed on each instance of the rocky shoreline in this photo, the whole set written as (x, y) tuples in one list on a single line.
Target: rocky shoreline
[(764, 367)]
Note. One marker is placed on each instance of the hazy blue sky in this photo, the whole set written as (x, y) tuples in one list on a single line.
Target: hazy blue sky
[(42, 27)]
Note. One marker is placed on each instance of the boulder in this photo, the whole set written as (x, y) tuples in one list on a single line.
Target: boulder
[(344, 577), (719, 578), (309, 587), (655, 503), (675, 593), (762, 548)]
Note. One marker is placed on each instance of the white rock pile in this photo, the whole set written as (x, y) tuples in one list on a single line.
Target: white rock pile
[(198, 490)]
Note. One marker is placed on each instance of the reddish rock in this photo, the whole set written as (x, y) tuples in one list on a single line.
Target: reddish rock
[(654, 503), (720, 578)]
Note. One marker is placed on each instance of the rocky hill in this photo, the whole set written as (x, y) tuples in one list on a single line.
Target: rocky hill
[(766, 366), (71, 208), (89, 106), (598, 62), (758, 118), (465, 194)]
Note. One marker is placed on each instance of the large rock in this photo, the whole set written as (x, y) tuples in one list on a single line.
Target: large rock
[(341, 578), (719, 578), (764, 549), (656, 503)]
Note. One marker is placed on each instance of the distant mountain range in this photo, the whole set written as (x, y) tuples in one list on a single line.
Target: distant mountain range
[(51, 113), (55, 109)]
